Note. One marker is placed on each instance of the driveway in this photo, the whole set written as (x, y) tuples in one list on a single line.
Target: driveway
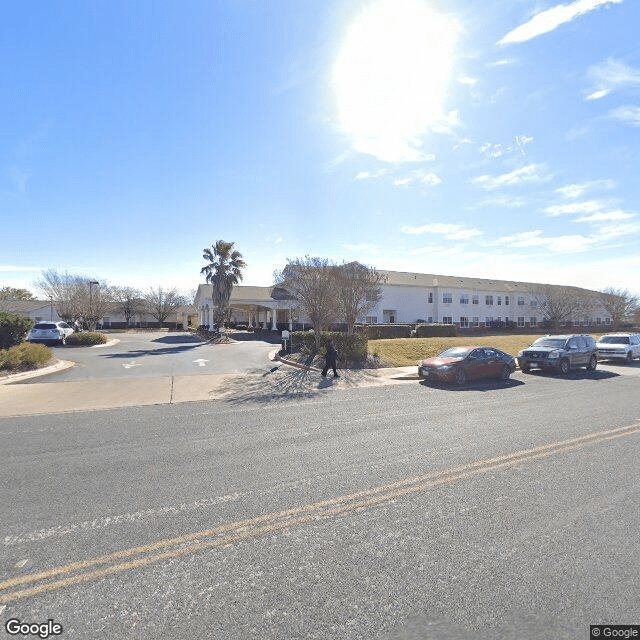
[(157, 354)]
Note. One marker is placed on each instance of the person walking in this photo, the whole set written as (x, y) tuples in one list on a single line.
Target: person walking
[(331, 360)]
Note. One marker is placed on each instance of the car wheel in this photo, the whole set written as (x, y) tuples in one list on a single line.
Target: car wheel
[(461, 377), (564, 367), (593, 363), (505, 372), (629, 357)]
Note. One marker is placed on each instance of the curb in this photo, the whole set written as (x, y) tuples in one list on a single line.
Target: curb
[(273, 355), (25, 375)]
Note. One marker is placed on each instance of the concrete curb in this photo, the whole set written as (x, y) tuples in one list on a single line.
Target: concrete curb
[(60, 365), (273, 355)]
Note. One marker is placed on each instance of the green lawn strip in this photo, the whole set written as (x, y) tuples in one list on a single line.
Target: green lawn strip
[(406, 352)]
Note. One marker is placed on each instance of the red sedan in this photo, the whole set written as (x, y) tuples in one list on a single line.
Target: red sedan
[(460, 364)]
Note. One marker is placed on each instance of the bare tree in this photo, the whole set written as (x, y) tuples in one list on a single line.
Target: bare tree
[(61, 289), (358, 291), (312, 282), (161, 303), (128, 301), (618, 303), (560, 305)]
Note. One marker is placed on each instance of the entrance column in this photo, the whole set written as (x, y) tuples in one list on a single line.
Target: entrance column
[(274, 313)]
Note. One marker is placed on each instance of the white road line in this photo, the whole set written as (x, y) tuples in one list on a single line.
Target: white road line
[(201, 362)]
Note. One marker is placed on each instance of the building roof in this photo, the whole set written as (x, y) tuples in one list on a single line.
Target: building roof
[(407, 279), (23, 306)]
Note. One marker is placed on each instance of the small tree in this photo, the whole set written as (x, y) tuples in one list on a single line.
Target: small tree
[(161, 303), (618, 303), (223, 270), (128, 300), (358, 291), (560, 305), (313, 283), (10, 293), (13, 329)]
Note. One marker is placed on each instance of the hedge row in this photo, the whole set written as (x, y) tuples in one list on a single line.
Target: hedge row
[(351, 347), (389, 331), (25, 356), (86, 338), (435, 331)]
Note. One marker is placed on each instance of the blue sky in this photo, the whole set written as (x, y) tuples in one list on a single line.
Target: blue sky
[(496, 140)]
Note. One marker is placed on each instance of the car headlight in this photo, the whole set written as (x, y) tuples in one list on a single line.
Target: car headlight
[(554, 354), (445, 368)]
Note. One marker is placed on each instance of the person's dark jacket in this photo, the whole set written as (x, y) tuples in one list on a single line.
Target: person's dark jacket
[(332, 356)]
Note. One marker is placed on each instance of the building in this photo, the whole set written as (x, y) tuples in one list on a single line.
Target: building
[(410, 298)]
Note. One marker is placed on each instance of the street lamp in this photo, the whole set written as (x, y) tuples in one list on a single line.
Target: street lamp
[(91, 283)]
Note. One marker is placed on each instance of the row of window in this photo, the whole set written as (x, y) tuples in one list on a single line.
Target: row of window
[(465, 322), (447, 298)]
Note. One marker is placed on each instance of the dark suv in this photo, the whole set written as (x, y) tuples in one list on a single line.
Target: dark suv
[(559, 353)]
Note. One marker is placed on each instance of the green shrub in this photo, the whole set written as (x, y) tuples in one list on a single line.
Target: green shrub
[(25, 356), (351, 347), (436, 331), (13, 329), (382, 331), (86, 338)]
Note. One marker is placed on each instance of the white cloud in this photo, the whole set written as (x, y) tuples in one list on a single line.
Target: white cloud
[(503, 62), (509, 202), (555, 244), (587, 206), (573, 191), (449, 231), (467, 80), (427, 178), (550, 19), (611, 75), (627, 114), (12, 268), (528, 173), (368, 175), (607, 216)]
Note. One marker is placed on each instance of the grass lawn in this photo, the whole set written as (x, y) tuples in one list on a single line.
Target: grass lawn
[(406, 352)]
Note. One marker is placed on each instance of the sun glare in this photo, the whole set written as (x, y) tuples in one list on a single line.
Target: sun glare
[(390, 77)]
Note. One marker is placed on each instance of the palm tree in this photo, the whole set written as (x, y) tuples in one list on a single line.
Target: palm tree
[(223, 271)]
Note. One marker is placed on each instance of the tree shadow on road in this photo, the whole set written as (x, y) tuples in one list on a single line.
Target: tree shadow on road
[(283, 384)]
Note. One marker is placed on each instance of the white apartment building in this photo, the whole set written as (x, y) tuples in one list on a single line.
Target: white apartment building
[(409, 298)]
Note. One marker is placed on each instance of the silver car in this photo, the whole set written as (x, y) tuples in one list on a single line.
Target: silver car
[(50, 332), (619, 346)]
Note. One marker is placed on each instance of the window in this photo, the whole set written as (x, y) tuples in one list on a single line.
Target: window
[(607, 320), (464, 298), (476, 321), (464, 322), (576, 323), (506, 300), (447, 320), (533, 304), (521, 301), (521, 321), (447, 298), (499, 300), (488, 300), (430, 319), (430, 297), (388, 316), (488, 320), (533, 321), (475, 300), (598, 321), (372, 319)]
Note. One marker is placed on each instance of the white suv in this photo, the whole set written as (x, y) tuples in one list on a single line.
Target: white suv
[(49, 332), (619, 346)]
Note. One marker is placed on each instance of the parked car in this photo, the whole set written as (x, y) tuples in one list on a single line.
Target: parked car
[(459, 364), (619, 346), (50, 332), (559, 353)]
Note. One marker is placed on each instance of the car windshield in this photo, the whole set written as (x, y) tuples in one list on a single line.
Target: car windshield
[(457, 353), (615, 339), (44, 325), (549, 342)]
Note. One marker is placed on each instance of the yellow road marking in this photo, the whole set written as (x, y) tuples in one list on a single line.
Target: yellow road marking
[(250, 528)]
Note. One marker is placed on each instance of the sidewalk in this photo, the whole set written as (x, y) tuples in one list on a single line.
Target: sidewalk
[(280, 383)]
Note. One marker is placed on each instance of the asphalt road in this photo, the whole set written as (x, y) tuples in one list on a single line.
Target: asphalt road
[(156, 354), (495, 511)]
